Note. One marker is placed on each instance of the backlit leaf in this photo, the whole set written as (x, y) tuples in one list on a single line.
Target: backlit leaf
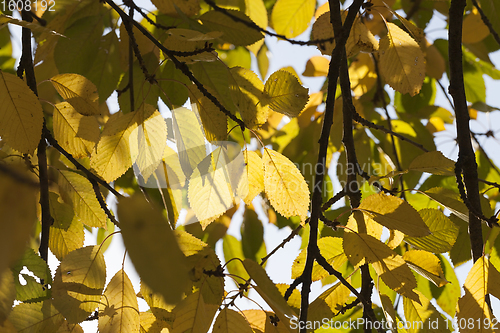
[(433, 162), (402, 62), (362, 74), (232, 249), (78, 91), (474, 30), (284, 185), (292, 17), (229, 321), (330, 302), (77, 134), (152, 247), (394, 213), (193, 314), (188, 8), (448, 295), (35, 27), (317, 66), (32, 290), (260, 321), (213, 119), (78, 192), (36, 317), (423, 313), (427, 265), (79, 283), (444, 232), (389, 312), (286, 95), (253, 177), (118, 311), (7, 294), (21, 115), (363, 248)]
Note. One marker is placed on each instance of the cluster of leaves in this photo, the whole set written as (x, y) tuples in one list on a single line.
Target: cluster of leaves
[(61, 146)]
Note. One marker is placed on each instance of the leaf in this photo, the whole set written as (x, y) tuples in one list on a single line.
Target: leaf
[(32, 290), (474, 30), (284, 185), (450, 200), (317, 66), (21, 115), (229, 321), (18, 209), (433, 162), (331, 249), (427, 265), (473, 304), (252, 236), (148, 140), (248, 97), (209, 192), (444, 232), (234, 32), (292, 17), (267, 289), (286, 95), (402, 62), (329, 303), (213, 119), (231, 248), (362, 74), (363, 248), (118, 311), (424, 316), (394, 213), (79, 283), (78, 192), (252, 179), (260, 321), (152, 248), (389, 312), (193, 314), (7, 294), (78, 91), (36, 317), (448, 295), (77, 134), (112, 156), (5, 19)]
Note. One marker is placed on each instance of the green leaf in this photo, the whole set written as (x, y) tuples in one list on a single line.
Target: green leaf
[(292, 17), (475, 88), (252, 236), (285, 94), (173, 85), (21, 115), (118, 311), (79, 283), (232, 249), (394, 213), (78, 192), (36, 317), (33, 290), (78, 91), (448, 295), (236, 33), (152, 248), (444, 232)]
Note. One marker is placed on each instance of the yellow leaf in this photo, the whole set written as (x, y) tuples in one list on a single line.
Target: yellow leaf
[(402, 62), (389, 312), (118, 311), (260, 321), (35, 27), (331, 249), (79, 92), (473, 304), (284, 185), (186, 40), (286, 95), (156, 303), (362, 223), (394, 213), (148, 140), (79, 283), (229, 321), (187, 7), (77, 134), (427, 265), (236, 33), (252, 178), (7, 294), (66, 233), (213, 119), (434, 64), (433, 162), (248, 92), (151, 324), (330, 302), (70, 328), (363, 248), (292, 17), (193, 314), (152, 247), (474, 30), (450, 200), (395, 238), (78, 192), (362, 74), (423, 316), (18, 211), (435, 124), (257, 12), (36, 317), (317, 66), (21, 115), (209, 191)]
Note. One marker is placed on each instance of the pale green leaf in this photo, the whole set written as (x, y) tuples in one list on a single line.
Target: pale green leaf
[(76, 133), (433, 162), (79, 283), (118, 311), (285, 94), (21, 115), (229, 321), (79, 92), (152, 247), (402, 62), (78, 192), (444, 232), (36, 317), (394, 213), (292, 17)]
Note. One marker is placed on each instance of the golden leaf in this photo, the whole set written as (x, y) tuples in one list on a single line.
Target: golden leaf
[(79, 92)]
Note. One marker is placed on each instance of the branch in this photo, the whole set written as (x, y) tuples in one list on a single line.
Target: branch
[(487, 22)]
